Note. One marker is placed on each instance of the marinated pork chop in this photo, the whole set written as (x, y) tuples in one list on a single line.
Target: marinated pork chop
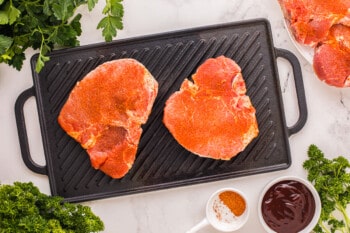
[(105, 111), (311, 20), (323, 25), (211, 116), (332, 57)]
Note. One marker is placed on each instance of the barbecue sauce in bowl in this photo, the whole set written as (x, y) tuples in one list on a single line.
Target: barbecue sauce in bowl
[(288, 206)]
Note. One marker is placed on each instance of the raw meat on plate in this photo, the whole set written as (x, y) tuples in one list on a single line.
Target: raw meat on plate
[(311, 20), (324, 26), (332, 57)]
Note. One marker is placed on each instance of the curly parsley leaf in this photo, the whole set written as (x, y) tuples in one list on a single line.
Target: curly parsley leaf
[(23, 208), (331, 179)]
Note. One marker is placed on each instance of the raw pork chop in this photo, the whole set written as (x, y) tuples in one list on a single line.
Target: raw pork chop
[(212, 117), (105, 111), (332, 57), (323, 25), (311, 20)]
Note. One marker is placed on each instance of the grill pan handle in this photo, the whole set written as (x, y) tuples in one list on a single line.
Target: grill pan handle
[(22, 132), (299, 87)]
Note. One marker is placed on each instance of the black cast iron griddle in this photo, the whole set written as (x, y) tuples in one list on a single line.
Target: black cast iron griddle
[(161, 162)]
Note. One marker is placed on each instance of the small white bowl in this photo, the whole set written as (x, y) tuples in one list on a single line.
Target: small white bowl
[(313, 191), (238, 221), (219, 216)]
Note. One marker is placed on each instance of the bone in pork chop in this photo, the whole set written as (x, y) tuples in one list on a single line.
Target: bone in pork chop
[(105, 110), (212, 116)]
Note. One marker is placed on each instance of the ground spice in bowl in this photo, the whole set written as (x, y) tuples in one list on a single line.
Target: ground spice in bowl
[(227, 210), (233, 201)]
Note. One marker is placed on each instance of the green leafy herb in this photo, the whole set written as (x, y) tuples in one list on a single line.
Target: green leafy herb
[(113, 20), (23, 208), (48, 24), (331, 179)]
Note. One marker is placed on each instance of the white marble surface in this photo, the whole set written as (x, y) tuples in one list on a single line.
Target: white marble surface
[(178, 209)]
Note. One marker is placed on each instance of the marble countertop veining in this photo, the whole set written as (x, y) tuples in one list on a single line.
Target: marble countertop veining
[(176, 210)]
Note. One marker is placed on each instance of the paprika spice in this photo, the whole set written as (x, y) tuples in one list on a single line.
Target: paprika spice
[(233, 201)]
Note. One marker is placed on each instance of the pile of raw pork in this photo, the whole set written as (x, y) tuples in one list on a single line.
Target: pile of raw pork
[(325, 26)]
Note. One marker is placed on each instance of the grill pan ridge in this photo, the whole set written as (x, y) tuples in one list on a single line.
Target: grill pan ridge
[(161, 162)]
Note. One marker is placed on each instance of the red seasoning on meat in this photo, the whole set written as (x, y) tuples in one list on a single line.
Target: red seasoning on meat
[(323, 25), (105, 111), (311, 20), (212, 116), (332, 57)]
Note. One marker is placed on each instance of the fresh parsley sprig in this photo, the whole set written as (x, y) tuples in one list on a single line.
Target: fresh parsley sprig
[(113, 20), (23, 208), (48, 24), (331, 179)]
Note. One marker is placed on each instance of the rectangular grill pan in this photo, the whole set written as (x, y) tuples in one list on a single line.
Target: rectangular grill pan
[(161, 162)]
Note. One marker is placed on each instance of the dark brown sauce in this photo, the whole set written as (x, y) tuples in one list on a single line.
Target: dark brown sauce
[(288, 206)]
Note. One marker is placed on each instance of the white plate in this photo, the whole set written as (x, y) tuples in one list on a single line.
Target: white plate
[(306, 51)]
